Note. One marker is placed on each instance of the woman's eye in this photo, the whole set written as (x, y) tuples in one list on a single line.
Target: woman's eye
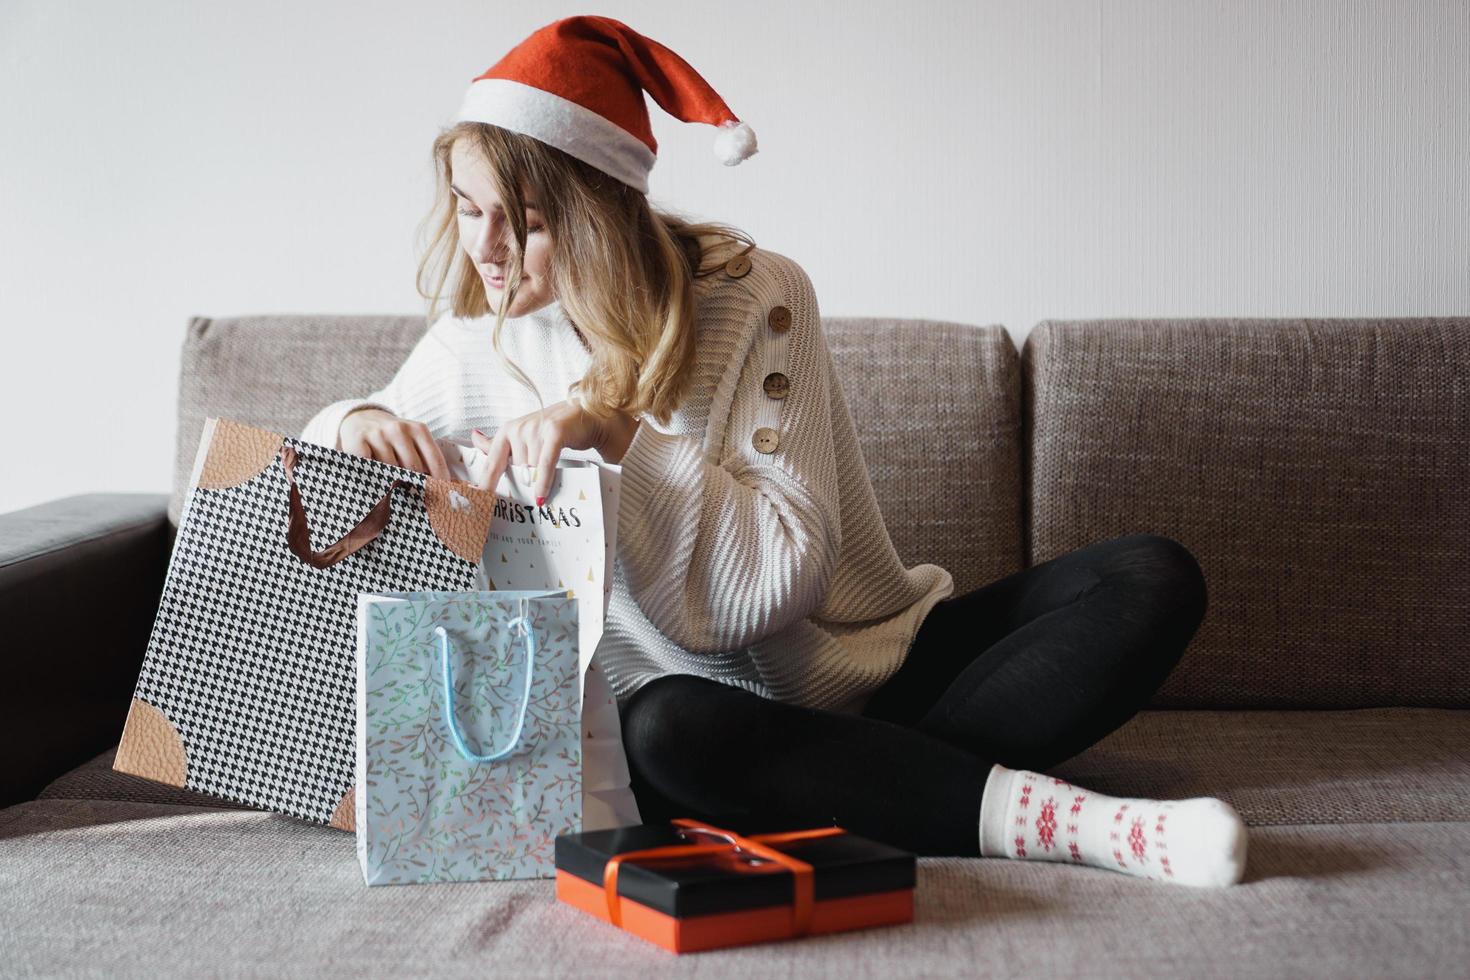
[(476, 214)]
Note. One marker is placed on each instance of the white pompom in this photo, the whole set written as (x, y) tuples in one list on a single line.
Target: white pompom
[(735, 142)]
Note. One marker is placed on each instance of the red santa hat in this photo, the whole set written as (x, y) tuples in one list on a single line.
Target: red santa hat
[(578, 84)]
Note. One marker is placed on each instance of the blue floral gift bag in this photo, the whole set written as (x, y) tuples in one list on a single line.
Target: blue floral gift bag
[(468, 744)]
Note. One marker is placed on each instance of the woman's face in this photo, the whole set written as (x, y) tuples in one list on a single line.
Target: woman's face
[(485, 235)]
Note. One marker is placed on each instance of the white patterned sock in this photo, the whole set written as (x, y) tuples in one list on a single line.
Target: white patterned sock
[(1031, 816)]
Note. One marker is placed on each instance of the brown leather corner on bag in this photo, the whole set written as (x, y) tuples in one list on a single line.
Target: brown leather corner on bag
[(236, 453), (150, 746), (464, 528), (345, 816)]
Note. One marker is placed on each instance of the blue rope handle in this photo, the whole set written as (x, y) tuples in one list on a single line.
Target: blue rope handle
[(449, 714)]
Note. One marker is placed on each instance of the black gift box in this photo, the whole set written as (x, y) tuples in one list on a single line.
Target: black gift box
[(730, 896)]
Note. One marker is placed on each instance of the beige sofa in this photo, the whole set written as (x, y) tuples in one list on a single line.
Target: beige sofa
[(1318, 469)]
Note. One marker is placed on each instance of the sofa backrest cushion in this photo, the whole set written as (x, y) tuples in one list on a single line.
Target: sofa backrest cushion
[(1319, 470)]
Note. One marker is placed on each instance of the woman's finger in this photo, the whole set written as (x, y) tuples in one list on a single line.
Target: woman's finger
[(546, 466), (406, 451), (522, 446), (377, 447), (483, 443), (355, 444), (431, 453), (498, 454)]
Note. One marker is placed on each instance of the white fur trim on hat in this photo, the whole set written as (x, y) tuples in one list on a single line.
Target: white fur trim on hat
[(735, 142), (589, 136)]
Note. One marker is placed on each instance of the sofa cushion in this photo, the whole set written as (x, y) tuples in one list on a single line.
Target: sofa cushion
[(937, 410), (1275, 767), (1317, 469), (79, 580), (136, 889), (936, 407), (1291, 767)]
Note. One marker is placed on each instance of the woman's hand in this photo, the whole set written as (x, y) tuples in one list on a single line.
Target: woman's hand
[(538, 439), (383, 436)]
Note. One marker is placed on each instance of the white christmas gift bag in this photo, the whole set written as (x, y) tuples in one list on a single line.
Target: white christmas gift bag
[(468, 735), (570, 542)]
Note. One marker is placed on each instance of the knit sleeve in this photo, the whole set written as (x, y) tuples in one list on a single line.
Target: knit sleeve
[(721, 556), (419, 390)]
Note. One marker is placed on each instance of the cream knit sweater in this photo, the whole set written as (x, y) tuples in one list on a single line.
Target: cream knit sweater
[(772, 572)]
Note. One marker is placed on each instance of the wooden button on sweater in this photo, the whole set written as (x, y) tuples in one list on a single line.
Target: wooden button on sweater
[(777, 384), (738, 266), (779, 319), (765, 440)]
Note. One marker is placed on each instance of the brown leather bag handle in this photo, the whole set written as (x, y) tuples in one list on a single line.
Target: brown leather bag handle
[(298, 536)]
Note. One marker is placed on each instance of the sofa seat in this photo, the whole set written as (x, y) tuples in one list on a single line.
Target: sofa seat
[(1366, 765), (110, 888), (1359, 864)]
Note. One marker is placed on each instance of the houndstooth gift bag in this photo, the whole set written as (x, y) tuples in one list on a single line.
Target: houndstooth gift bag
[(248, 686)]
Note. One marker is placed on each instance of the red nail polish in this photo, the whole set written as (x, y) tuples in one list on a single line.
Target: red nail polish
[(540, 501)]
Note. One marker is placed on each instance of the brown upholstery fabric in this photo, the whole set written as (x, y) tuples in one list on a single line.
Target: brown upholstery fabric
[(131, 889), (937, 406), (1318, 469), (1366, 765)]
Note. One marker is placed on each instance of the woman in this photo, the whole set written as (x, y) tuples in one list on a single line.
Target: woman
[(774, 662)]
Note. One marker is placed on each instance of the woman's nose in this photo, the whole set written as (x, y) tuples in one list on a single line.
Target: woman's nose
[(495, 244)]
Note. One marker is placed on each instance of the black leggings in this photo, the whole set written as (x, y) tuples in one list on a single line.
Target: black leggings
[(1027, 671)]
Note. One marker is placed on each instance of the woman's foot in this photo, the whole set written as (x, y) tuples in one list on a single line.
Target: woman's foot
[(1031, 816)]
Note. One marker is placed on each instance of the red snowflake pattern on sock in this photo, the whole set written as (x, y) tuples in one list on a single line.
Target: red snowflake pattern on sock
[(1025, 800), (1160, 845), (1072, 827), (1137, 841), (1046, 823), (1117, 850)]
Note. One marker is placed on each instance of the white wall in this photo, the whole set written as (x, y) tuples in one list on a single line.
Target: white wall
[(983, 162)]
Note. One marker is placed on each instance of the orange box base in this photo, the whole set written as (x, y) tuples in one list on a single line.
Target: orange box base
[(694, 933)]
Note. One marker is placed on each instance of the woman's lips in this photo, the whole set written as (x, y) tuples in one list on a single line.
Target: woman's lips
[(497, 281)]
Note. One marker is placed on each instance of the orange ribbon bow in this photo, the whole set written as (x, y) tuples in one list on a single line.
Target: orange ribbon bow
[(755, 845)]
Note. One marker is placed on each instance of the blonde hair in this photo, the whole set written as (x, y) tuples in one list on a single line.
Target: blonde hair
[(623, 272)]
